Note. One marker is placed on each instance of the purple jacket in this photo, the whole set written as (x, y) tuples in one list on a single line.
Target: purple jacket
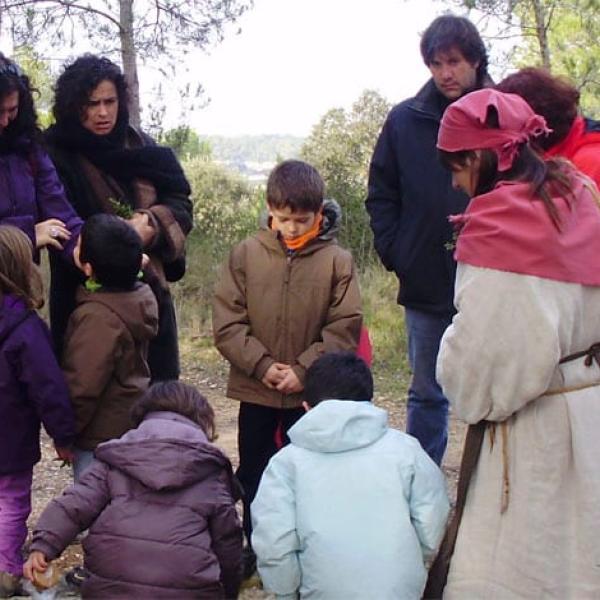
[(160, 507), (32, 390), (30, 192)]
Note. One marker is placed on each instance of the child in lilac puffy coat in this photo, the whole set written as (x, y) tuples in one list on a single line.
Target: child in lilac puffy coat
[(159, 503)]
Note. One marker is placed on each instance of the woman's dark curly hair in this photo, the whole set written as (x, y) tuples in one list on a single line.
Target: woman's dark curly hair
[(552, 97), (12, 79), (79, 79)]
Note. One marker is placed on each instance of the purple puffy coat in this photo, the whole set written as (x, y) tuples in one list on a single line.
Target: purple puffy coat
[(159, 503), (31, 192), (32, 389)]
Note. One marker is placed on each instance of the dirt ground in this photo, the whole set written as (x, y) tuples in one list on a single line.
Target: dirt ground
[(50, 479)]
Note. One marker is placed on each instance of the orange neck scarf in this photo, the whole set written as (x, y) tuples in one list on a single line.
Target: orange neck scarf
[(302, 240)]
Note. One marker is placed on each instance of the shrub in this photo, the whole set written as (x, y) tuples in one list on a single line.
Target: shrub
[(226, 210)]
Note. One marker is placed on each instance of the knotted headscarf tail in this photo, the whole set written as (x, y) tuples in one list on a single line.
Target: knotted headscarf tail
[(463, 125)]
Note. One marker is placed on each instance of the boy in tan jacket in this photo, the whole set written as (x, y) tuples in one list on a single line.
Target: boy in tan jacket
[(286, 295), (106, 343)]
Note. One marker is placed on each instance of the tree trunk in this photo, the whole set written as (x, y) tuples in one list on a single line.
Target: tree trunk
[(541, 32), (129, 58)]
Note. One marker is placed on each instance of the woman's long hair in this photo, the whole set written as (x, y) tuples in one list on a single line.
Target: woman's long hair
[(19, 276), (547, 178), (79, 79), (12, 79)]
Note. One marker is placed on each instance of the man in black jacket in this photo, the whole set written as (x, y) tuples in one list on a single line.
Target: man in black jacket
[(410, 198)]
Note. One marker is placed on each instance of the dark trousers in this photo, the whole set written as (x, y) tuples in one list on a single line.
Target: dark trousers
[(163, 350), (262, 431)]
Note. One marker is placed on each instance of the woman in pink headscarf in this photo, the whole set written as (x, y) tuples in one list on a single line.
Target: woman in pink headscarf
[(521, 361)]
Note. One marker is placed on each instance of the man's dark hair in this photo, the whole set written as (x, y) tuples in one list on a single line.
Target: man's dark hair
[(12, 79), (338, 376), (297, 185), (79, 79), (114, 249), (449, 31), (555, 98)]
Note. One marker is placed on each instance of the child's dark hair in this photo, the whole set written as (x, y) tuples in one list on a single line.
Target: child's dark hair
[(114, 249), (296, 185), (338, 376), (18, 274), (177, 397)]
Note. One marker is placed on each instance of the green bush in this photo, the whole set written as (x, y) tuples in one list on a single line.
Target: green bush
[(385, 320), (340, 147), (226, 210)]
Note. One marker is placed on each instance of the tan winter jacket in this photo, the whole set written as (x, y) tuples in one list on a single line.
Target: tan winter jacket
[(105, 359), (270, 307)]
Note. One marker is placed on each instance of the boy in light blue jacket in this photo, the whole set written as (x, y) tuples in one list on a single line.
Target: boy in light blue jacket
[(351, 509)]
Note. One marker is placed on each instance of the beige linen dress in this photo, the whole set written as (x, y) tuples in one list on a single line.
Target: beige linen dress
[(531, 526)]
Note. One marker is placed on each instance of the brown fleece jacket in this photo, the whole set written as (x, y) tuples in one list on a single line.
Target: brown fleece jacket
[(271, 306), (105, 359)]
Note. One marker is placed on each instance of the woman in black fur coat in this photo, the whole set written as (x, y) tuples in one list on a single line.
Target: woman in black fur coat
[(108, 166)]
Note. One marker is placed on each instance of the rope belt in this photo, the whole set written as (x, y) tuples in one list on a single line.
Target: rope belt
[(591, 354)]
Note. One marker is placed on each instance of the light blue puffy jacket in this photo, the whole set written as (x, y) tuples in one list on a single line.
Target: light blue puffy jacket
[(349, 510)]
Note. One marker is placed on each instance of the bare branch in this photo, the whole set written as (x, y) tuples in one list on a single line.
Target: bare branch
[(7, 6)]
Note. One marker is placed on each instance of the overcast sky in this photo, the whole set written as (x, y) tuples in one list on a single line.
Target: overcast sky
[(292, 62), (296, 59)]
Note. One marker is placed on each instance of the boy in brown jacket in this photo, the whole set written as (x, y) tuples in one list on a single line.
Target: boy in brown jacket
[(286, 295), (106, 344)]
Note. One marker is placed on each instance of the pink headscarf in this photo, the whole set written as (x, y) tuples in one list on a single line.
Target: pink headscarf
[(463, 125)]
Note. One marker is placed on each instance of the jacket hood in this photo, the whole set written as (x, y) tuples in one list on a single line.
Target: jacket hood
[(10, 312), (583, 132), (136, 308), (166, 451), (339, 425), (332, 217)]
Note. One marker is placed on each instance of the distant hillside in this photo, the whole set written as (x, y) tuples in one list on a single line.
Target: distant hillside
[(254, 148)]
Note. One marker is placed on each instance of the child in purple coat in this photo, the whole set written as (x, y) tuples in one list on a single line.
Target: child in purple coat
[(159, 503), (32, 391)]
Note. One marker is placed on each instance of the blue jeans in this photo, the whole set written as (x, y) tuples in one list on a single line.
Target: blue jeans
[(427, 412), (82, 461)]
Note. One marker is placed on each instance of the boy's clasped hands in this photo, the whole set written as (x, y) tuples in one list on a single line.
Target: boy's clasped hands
[(281, 377)]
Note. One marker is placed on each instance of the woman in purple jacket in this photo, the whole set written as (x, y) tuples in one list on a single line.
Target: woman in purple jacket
[(31, 195), (159, 503), (32, 390)]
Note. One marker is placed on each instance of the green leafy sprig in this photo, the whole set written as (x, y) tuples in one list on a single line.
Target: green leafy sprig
[(121, 209)]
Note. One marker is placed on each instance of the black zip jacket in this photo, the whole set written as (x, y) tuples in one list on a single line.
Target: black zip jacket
[(410, 198)]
